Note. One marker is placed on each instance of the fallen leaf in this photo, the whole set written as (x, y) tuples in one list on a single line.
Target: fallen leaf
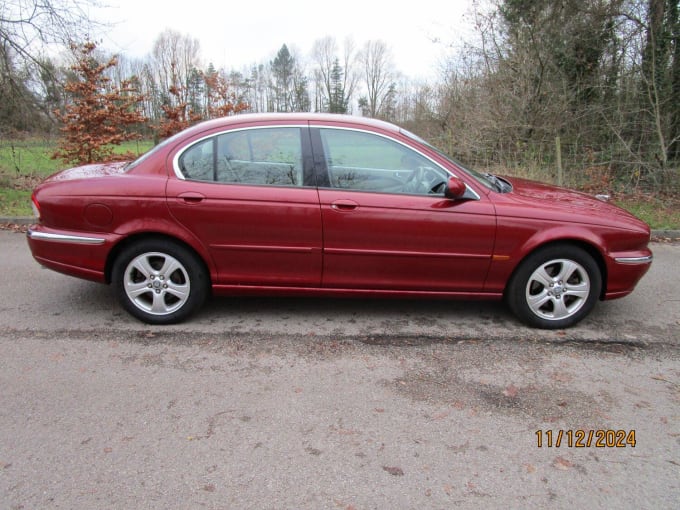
[(561, 377), (562, 463), (442, 415), (394, 471)]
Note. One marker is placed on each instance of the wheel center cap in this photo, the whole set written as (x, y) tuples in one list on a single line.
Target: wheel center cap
[(156, 284)]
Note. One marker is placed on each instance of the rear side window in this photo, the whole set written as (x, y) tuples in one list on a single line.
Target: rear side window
[(262, 156), (198, 162)]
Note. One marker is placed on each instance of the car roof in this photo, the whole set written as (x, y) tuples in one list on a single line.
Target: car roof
[(330, 118)]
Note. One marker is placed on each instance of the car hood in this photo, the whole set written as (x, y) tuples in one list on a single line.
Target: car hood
[(88, 171), (578, 206)]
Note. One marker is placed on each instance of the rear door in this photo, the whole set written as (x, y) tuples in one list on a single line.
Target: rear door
[(250, 197)]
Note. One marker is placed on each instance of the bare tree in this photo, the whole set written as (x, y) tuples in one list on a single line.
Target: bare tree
[(27, 27), (378, 77), (323, 56), (175, 58)]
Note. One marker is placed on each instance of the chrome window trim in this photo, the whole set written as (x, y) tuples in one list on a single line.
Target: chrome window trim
[(65, 238), (175, 159)]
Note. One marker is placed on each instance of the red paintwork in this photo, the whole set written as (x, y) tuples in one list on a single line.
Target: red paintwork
[(258, 239)]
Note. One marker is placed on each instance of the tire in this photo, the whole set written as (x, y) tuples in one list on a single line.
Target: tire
[(554, 287), (159, 281)]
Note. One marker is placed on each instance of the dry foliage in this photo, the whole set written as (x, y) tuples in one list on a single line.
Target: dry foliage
[(97, 118), (179, 114)]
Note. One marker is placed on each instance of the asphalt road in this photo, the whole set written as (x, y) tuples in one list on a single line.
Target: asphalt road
[(301, 403)]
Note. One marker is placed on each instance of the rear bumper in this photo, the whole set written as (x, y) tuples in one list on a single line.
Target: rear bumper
[(79, 254)]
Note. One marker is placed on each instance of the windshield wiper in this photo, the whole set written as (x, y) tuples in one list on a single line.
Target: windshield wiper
[(495, 181), (501, 184)]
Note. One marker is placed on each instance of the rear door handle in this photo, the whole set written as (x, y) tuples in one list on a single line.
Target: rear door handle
[(344, 205), (191, 197)]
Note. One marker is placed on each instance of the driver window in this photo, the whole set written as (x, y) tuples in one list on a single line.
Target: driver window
[(366, 162)]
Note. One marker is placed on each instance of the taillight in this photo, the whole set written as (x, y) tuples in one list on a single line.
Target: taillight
[(36, 206)]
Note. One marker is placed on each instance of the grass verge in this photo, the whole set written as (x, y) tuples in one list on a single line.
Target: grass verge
[(661, 213), (24, 163), (15, 202)]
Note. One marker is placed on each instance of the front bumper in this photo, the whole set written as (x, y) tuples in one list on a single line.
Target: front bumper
[(624, 272)]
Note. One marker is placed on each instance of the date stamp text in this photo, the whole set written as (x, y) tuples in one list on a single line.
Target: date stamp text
[(599, 438)]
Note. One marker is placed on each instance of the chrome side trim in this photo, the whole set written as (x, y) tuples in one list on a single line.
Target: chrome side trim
[(634, 260), (64, 238)]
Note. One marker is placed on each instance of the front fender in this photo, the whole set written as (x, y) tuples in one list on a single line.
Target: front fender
[(516, 239)]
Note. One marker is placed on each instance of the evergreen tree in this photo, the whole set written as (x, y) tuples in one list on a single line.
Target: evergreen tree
[(337, 102), (282, 69)]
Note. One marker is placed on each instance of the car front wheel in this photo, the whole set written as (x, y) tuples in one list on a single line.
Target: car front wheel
[(159, 281), (555, 287)]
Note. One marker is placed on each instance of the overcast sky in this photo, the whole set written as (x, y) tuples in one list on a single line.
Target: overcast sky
[(234, 34)]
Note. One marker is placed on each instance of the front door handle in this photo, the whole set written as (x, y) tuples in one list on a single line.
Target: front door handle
[(344, 205), (191, 197)]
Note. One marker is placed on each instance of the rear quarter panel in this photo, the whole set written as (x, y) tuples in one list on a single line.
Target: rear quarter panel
[(113, 207)]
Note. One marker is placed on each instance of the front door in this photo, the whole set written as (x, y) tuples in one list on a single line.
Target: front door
[(387, 224)]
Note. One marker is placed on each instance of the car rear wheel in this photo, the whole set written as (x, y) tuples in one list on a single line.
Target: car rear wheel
[(555, 287), (159, 281)]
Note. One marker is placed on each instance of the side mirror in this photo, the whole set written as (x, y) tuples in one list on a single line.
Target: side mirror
[(455, 188)]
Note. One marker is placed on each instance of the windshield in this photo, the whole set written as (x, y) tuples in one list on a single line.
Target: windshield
[(486, 180), (151, 152)]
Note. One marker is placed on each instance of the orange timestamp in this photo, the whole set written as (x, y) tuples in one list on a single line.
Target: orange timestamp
[(598, 438)]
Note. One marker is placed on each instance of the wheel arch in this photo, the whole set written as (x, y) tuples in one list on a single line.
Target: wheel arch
[(586, 246), (146, 236)]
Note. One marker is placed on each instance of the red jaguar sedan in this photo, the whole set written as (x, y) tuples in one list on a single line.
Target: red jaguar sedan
[(313, 204)]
